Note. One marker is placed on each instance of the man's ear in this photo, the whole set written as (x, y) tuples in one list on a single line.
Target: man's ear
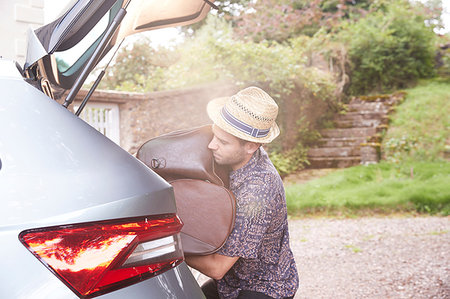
[(251, 147)]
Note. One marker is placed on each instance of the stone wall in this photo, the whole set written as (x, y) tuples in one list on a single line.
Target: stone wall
[(144, 116)]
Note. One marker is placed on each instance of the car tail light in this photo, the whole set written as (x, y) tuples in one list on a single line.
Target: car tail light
[(99, 257)]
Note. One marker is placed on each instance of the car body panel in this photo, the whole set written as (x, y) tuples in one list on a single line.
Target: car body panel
[(60, 157), (56, 170)]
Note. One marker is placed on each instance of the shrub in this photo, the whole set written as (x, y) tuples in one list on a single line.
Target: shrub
[(289, 161), (389, 48), (443, 57)]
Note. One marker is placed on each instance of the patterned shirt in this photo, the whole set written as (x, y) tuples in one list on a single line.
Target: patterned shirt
[(260, 236)]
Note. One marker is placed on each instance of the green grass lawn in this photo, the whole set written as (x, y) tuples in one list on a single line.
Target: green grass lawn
[(414, 177), (379, 188)]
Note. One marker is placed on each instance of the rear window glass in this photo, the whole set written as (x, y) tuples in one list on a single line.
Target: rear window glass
[(70, 60)]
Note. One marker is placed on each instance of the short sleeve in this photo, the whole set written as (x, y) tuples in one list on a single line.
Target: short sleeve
[(253, 216)]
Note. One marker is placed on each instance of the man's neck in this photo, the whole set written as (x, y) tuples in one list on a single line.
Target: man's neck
[(243, 162), (240, 164)]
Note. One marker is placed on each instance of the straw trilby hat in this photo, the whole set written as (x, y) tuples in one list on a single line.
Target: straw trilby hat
[(250, 115)]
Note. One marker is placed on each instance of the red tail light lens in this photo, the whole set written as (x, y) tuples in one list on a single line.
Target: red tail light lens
[(97, 258)]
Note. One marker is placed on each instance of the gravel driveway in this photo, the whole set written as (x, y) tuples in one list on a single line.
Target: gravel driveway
[(372, 257), (369, 257)]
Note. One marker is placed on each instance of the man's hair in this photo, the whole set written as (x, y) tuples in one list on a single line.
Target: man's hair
[(244, 142)]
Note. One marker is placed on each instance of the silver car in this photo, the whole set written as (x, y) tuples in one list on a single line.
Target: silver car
[(80, 217)]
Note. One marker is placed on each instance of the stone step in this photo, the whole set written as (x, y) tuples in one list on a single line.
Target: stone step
[(337, 142), (358, 123), (354, 140), (386, 99), (364, 115), (334, 162), (350, 132), (370, 106), (359, 101), (334, 152)]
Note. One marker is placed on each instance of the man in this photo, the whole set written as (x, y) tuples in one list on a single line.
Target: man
[(256, 260)]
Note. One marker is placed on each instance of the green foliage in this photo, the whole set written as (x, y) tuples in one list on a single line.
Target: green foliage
[(444, 69), (420, 187), (213, 54), (289, 161), (389, 48), (225, 58), (398, 147), (282, 68), (279, 20), (228, 10), (419, 128), (139, 67), (306, 133), (443, 57), (296, 158)]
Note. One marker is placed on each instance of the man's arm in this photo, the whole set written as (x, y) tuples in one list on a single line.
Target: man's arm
[(214, 265)]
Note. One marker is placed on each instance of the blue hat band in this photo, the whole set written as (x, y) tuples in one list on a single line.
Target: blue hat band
[(243, 127)]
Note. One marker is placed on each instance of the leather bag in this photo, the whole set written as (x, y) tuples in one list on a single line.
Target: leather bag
[(207, 212), (205, 205), (184, 154)]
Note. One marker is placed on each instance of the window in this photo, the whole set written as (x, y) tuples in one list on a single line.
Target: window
[(71, 60)]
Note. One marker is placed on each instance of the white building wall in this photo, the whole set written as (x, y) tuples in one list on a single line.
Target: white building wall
[(16, 16)]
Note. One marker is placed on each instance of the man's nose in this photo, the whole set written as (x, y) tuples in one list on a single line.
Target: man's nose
[(212, 144)]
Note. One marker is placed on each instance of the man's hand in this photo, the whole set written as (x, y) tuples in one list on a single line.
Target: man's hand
[(214, 265)]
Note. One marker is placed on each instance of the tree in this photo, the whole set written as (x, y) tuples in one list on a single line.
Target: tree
[(279, 20), (227, 10), (389, 49), (136, 67)]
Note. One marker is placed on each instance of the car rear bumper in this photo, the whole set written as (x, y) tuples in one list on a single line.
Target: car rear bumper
[(178, 283)]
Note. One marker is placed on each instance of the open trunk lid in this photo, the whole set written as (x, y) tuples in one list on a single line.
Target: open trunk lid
[(59, 51)]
